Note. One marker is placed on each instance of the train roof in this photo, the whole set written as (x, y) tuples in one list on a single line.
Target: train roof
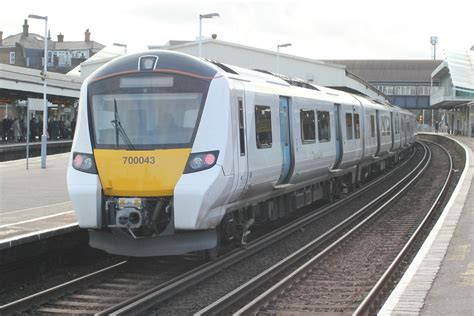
[(171, 61)]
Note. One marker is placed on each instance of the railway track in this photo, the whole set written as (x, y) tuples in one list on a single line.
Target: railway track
[(339, 279), (113, 291)]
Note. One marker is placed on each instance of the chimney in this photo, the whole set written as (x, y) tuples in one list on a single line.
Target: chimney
[(87, 36), (25, 28), (1, 37), (49, 35), (60, 38)]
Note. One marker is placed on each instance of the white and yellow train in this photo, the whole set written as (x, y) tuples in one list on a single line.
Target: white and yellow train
[(174, 154)]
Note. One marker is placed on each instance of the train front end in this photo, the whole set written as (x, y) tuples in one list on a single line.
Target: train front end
[(137, 122)]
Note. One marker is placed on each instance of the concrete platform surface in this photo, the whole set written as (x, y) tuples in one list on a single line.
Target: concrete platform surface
[(440, 280), (34, 203)]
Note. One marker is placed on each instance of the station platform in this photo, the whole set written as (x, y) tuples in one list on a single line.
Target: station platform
[(13, 151), (440, 280), (34, 203)]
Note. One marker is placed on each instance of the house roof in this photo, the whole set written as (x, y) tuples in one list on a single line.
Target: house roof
[(35, 41), (414, 71)]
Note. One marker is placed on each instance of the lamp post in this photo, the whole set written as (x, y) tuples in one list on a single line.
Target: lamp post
[(44, 137), (433, 41), (204, 16), (122, 45), (278, 55)]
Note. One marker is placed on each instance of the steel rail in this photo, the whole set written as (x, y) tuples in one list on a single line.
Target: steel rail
[(40, 297), (265, 297), (168, 289), (369, 301)]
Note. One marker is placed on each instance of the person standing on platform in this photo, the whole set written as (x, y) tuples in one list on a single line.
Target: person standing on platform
[(6, 129), (16, 130), (73, 127), (39, 128)]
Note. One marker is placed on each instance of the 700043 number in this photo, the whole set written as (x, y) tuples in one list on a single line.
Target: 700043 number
[(138, 160)]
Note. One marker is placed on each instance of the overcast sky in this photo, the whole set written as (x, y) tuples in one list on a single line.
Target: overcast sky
[(357, 29)]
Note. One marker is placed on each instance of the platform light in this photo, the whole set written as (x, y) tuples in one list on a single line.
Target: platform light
[(122, 45), (204, 16), (278, 55)]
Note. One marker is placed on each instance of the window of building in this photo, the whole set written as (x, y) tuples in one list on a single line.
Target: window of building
[(50, 58), (349, 128), (372, 126), (308, 126), (263, 126), (12, 58), (388, 90), (324, 127), (356, 126)]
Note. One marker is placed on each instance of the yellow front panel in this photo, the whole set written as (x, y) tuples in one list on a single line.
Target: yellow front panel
[(140, 172)]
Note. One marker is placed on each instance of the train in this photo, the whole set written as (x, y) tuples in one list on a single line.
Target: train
[(175, 154)]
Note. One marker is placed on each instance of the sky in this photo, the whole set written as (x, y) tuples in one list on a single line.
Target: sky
[(335, 29)]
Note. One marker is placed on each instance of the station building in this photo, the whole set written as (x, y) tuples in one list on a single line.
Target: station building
[(455, 91)]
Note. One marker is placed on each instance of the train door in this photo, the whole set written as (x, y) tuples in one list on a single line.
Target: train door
[(377, 119), (392, 129), (285, 141), (240, 135), (339, 146)]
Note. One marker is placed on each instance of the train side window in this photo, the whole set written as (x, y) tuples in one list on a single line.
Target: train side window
[(356, 126), (241, 128), (308, 126), (349, 128), (324, 127), (372, 126), (385, 126), (263, 126)]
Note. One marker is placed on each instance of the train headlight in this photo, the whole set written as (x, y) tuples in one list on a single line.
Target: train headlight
[(83, 162), (201, 161)]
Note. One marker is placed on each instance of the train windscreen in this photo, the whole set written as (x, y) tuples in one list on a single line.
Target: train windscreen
[(146, 112)]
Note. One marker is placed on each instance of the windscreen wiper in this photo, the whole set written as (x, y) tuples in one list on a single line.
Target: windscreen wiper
[(119, 130)]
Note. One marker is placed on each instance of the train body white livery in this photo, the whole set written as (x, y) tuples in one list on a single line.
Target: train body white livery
[(173, 153)]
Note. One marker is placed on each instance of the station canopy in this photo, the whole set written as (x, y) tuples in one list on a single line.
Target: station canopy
[(461, 68)]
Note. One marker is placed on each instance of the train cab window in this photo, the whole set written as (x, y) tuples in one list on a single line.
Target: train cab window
[(324, 127), (308, 126), (349, 127), (356, 126), (372, 126), (263, 126)]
